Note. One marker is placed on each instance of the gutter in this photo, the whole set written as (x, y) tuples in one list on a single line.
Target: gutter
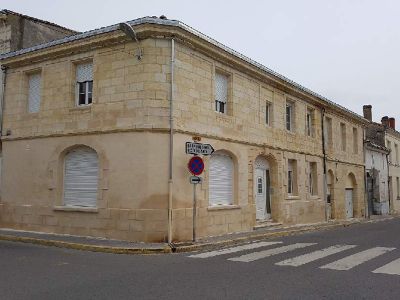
[(180, 25)]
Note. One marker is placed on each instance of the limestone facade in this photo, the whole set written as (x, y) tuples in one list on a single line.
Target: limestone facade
[(393, 143), (128, 126)]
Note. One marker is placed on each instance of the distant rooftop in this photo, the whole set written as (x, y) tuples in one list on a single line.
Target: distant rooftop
[(10, 12)]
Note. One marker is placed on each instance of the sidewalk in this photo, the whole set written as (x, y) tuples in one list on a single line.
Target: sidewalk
[(124, 247)]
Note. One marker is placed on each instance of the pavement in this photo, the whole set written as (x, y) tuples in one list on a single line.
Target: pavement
[(361, 261), (126, 247)]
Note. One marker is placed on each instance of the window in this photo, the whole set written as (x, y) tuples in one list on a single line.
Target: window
[(343, 136), (34, 92), (289, 116), (84, 84), (398, 187), (310, 122), (389, 146), (328, 132), (291, 177), (268, 112), (355, 140), (259, 185), (221, 93), (81, 168), (221, 180), (396, 153), (312, 179)]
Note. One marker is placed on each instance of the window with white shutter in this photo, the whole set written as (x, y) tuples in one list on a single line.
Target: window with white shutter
[(221, 92), (84, 83), (81, 177), (34, 92), (221, 180)]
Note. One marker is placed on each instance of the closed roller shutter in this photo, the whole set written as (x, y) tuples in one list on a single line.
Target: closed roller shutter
[(221, 180), (34, 93), (81, 178)]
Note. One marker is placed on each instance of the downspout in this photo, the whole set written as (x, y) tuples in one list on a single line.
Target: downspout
[(324, 155), (388, 183), (2, 92), (365, 179), (171, 142)]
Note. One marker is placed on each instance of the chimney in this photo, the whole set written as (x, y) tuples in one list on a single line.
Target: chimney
[(367, 110), (392, 123), (385, 121)]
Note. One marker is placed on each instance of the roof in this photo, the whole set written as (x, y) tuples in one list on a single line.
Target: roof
[(10, 12), (181, 25)]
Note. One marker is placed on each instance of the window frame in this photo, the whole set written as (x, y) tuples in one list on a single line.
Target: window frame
[(87, 84), (355, 140), (268, 113), (310, 115), (28, 75), (289, 117), (222, 107), (292, 178)]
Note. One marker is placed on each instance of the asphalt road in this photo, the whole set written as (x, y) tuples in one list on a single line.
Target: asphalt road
[(37, 272)]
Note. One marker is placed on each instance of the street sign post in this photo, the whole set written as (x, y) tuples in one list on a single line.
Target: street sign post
[(196, 167), (199, 149)]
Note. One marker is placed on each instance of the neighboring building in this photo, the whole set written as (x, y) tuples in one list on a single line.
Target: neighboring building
[(88, 139), (376, 166), (19, 31), (392, 138)]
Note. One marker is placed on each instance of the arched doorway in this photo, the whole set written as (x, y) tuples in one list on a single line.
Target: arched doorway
[(350, 195), (262, 189)]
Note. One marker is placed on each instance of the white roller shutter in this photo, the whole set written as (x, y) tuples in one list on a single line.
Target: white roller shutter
[(34, 93), (84, 72), (221, 180), (221, 87), (81, 178)]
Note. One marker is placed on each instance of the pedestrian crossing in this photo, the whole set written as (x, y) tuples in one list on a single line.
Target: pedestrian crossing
[(255, 252)]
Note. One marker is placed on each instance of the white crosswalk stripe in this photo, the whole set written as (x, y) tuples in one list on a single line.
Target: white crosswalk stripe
[(354, 260), (310, 257), (234, 249), (266, 253), (392, 268)]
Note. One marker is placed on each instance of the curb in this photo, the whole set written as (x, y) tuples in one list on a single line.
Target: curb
[(85, 247), (182, 248), (268, 235)]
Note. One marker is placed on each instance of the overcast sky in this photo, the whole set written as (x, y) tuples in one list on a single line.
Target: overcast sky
[(345, 50)]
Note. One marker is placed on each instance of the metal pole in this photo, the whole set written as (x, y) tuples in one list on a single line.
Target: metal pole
[(171, 143), (194, 212)]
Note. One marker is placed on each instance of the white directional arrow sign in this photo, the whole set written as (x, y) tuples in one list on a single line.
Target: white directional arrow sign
[(199, 149)]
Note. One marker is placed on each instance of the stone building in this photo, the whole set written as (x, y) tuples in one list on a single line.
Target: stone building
[(392, 138), (376, 166), (98, 146), (19, 31)]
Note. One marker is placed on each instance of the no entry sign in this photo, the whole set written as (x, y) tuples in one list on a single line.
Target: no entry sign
[(196, 165)]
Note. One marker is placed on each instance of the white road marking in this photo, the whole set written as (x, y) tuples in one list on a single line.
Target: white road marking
[(392, 268), (356, 259), (309, 257), (266, 253), (234, 249)]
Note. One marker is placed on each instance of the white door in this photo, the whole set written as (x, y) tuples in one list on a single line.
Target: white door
[(349, 203), (263, 210)]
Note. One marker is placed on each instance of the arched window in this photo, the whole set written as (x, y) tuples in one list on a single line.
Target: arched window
[(221, 180), (81, 177)]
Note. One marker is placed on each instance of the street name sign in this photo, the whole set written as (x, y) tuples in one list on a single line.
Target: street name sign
[(199, 149)]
